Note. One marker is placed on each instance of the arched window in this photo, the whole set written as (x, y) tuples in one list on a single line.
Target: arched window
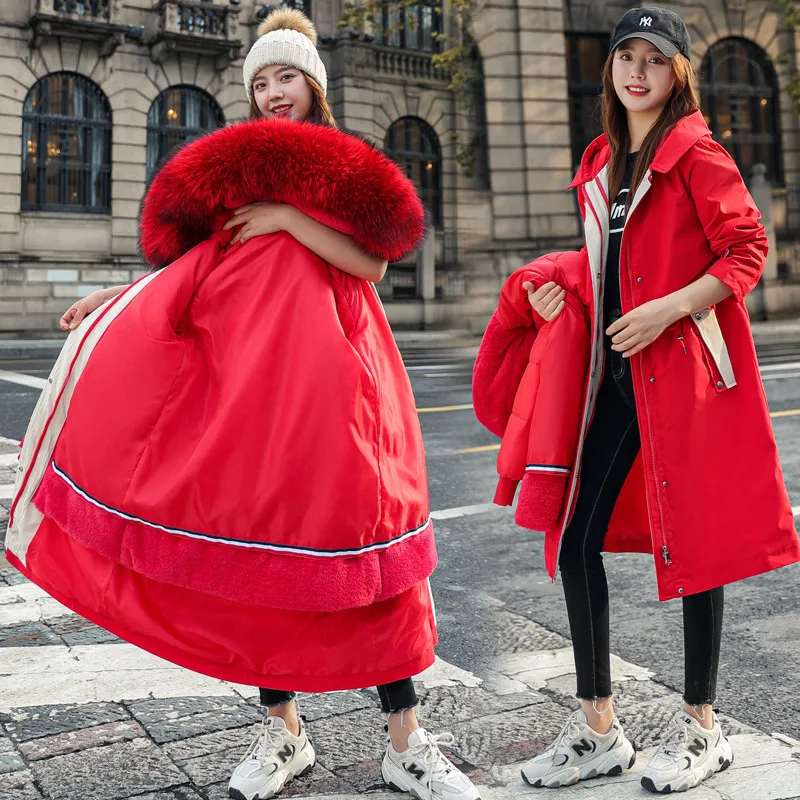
[(740, 101), (66, 146), (179, 114), (414, 145)]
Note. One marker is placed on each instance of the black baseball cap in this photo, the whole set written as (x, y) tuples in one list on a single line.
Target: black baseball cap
[(663, 28)]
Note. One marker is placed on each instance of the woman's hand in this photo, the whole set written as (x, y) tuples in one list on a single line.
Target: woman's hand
[(638, 328), (338, 249), (76, 313), (258, 219), (547, 301)]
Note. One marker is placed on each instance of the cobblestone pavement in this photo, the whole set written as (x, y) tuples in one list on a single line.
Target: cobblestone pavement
[(85, 716)]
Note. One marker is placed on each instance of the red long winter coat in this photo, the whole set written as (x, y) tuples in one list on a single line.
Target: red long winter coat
[(227, 466), (706, 494)]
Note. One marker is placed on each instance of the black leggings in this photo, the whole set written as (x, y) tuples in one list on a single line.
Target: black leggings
[(395, 697), (611, 446)]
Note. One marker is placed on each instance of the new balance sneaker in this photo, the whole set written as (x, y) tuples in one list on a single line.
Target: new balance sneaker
[(578, 753), (424, 771), (272, 760), (688, 755)]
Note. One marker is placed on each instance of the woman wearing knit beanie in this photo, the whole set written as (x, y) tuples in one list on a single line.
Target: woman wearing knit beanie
[(264, 511), (284, 77)]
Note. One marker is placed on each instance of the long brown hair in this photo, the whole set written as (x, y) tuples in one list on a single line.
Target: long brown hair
[(681, 102), (320, 108)]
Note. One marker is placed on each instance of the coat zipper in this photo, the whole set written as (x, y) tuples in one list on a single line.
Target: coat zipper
[(592, 364), (681, 337), (664, 546)]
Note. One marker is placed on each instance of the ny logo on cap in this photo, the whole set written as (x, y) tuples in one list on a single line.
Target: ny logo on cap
[(646, 22)]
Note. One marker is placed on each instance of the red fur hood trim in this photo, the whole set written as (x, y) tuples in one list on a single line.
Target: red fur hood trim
[(332, 176)]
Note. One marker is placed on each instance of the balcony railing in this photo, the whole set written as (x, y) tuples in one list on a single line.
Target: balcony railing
[(205, 21), (84, 9), (198, 27), (93, 20), (406, 64)]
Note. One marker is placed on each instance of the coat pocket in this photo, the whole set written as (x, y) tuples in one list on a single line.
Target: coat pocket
[(714, 349)]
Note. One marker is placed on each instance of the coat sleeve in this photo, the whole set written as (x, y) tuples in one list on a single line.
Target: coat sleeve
[(503, 355), (730, 219), (560, 359), (527, 388), (541, 426)]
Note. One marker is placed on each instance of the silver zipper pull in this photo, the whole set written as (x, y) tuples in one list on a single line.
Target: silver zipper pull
[(665, 555)]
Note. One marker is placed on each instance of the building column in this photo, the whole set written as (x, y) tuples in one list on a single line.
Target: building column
[(527, 110)]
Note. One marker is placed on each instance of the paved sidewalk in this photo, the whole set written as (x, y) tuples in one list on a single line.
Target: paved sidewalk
[(84, 716)]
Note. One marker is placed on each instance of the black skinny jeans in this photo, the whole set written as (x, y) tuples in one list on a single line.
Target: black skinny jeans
[(395, 697), (610, 449)]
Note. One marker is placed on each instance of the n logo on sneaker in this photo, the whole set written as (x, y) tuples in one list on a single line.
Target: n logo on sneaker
[(583, 747), (698, 747), (416, 771), (285, 754)]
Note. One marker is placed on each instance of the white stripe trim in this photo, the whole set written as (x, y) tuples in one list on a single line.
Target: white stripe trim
[(275, 548), (707, 325), (537, 468), (49, 415)]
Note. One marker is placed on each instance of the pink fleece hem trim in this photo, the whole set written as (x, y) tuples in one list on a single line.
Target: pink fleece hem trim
[(242, 575)]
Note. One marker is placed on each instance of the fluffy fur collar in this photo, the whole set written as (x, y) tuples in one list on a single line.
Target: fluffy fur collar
[(334, 177)]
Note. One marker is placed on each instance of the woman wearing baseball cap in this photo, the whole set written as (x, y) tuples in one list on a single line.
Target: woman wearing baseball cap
[(667, 463)]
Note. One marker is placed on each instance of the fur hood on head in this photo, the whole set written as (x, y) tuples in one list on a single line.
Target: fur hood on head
[(335, 177)]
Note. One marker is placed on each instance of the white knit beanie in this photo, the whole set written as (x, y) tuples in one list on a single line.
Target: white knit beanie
[(287, 36)]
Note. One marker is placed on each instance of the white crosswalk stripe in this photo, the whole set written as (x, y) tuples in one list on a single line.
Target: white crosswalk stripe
[(8, 459)]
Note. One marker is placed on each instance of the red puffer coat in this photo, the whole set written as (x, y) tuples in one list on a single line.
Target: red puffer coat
[(227, 468), (528, 384), (706, 494)]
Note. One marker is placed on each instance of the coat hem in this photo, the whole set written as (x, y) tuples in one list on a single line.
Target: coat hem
[(771, 561), (299, 683)]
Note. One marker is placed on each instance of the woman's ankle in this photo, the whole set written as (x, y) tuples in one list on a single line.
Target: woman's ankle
[(401, 726), (288, 713), (599, 714), (703, 714)]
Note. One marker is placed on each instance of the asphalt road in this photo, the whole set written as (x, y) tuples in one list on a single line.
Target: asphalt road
[(486, 553)]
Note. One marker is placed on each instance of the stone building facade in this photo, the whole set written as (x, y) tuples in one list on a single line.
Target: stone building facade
[(94, 92)]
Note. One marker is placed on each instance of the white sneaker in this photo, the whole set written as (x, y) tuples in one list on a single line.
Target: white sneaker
[(424, 771), (272, 760), (688, 755), (580, 752)]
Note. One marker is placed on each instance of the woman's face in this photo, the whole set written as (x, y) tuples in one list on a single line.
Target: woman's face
[(643, 77), (281, 91)]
